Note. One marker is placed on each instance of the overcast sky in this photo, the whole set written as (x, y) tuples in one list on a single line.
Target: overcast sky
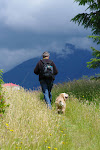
[(29, 27)]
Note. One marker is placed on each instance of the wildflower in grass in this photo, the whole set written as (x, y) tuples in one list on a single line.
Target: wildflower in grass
[(55, 148), (7, 124), (18, 147), (11, 130), (62, 131), (45, 141), (50, 134), (83, 96), (63, 142), (49, 147)]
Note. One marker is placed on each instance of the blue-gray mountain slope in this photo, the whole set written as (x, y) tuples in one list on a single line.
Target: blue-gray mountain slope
[(71, 66)]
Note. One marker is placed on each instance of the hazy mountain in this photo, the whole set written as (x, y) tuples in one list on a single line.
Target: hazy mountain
[(70, 66)]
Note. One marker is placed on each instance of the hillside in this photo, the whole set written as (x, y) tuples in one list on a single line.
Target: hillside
[(70, 66), (28, 124)]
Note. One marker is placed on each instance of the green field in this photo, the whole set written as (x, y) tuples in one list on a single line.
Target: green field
[(28, 125)]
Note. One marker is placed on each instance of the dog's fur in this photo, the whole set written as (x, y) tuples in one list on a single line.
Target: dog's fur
[(61, 102)]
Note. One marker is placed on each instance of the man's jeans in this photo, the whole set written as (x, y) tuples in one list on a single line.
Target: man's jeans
[(46, 89)]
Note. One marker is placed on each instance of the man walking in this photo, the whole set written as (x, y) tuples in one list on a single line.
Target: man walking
[(46, 70)]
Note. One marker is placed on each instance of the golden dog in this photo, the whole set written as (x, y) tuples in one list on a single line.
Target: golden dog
[(61, 102)]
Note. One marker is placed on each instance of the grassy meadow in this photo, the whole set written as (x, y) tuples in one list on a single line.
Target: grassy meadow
[(28, 125)]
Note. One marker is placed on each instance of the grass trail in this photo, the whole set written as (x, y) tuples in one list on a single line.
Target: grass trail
[(29, 125)]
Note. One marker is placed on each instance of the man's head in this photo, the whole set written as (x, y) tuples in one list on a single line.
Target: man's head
[(46, 55)]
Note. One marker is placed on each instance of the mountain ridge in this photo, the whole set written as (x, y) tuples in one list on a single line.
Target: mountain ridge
[(70, 66)]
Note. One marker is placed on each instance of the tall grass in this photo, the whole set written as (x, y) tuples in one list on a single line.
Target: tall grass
[(83, 89), (28, 124)]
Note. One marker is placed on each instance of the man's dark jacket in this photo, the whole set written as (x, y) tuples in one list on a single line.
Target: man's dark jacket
[(39, 67)]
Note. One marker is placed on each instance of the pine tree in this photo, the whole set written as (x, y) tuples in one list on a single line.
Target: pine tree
[(95, 62), (91, 20)]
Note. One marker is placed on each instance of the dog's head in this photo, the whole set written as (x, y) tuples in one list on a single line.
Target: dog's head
[(64, 95)]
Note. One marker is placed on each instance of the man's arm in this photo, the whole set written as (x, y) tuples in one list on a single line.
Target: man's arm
[(55, 69), (36, 70)]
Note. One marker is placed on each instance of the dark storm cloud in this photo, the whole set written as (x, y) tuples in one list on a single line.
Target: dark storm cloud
[(28, 27)]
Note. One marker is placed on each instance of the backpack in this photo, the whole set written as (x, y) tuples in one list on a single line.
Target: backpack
[(47, 70)]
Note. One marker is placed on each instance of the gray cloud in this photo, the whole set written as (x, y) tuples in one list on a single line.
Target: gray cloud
[(39, 15), (29, 27), (11, 58)]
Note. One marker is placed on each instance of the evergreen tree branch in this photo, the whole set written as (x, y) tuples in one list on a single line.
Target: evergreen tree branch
[(95, 38)]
